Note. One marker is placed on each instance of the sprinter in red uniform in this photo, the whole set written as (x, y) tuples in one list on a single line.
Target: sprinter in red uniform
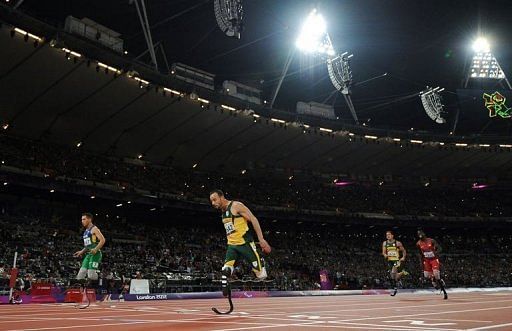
[(429, 251)]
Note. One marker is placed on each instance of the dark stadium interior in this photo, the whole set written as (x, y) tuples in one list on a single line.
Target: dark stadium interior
[(416, 50), (85, 126)]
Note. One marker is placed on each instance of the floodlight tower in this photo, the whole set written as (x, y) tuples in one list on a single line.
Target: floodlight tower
[(484, 66), (146, 29), (432, 103), (314, 40), (340, 74), (229, 15)]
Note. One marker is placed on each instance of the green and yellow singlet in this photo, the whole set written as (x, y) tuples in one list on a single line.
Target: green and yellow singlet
[(237, 229), (392, 251)]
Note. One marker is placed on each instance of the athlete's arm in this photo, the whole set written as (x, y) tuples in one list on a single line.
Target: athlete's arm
[(80, 252), (240, 209), (420, 254), (384, 250), (437, 247), (100, 236), (402, 249)]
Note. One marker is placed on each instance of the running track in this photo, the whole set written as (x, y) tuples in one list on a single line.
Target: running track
[(463, 311)]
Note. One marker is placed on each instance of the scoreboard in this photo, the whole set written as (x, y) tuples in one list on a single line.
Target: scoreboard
[(487, 111)]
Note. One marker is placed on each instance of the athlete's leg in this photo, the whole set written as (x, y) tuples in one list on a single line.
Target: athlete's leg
[(427, 272), (227, 271), (393, 272), (82, 273), (93, 270), (438, 278), (250, 253), (394, 275), (229, 260), (428, 275), (436, 270), (400, 271), (434, 273), (437, 281), (228, 268)]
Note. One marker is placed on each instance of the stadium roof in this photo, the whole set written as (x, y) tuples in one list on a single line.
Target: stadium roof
[(416, 43), (55, 95)]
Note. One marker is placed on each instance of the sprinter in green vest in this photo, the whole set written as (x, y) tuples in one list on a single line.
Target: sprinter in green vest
[(93, 242)]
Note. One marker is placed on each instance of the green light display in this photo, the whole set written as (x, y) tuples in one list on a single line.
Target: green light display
[(495, 103)]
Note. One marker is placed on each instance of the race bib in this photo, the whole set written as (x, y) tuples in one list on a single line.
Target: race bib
[(429, 254), (230, 228), (87, 241), (393, 253)]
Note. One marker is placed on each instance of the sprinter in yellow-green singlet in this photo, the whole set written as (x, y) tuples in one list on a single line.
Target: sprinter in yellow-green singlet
[(395, 254), (240, 243)]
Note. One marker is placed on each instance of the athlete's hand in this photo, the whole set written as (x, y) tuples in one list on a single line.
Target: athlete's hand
[(265, 247), (94, 251), (78, 254)]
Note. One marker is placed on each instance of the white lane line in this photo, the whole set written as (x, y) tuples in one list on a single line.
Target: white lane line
[(394, 326), (257, 325), (376, 327), (308, 324), (458, 320), (425, 314), (73, 326), (491, 327)]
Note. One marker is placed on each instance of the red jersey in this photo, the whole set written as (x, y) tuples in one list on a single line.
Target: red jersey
[(427, 248)]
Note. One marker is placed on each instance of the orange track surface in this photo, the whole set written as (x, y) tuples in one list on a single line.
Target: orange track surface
[(474, 311)]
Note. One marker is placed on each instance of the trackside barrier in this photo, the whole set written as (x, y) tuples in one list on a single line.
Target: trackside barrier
[(259, 294)]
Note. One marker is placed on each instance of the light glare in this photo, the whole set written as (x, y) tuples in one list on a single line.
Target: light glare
[(481, 45), (313, 34)]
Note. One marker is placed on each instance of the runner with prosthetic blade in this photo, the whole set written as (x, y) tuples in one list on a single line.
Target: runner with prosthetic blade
[(236, 218), (94, 240)]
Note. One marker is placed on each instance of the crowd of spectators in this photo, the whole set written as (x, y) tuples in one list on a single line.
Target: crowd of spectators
[(294, 191), (46, 240), (351, 255)]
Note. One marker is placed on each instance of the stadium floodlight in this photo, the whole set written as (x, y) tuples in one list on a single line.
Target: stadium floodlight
[(432, 103), (229, 16), (314, 40), (340, 72), (313, 37), (341, 77), (484, 65), (481, 45)]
